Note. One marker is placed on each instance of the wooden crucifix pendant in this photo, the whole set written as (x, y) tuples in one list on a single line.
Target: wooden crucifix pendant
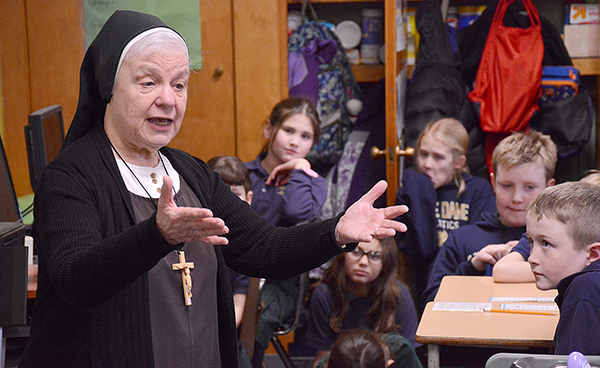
[(186, 277)]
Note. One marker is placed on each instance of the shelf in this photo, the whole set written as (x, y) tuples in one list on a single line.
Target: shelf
[(587, 66), (368, 73)]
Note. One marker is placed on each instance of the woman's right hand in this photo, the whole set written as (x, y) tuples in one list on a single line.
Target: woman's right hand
[(187, 224)]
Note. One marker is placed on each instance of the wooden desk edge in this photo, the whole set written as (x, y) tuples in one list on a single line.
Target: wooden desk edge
[(32, 281), (488, 342)]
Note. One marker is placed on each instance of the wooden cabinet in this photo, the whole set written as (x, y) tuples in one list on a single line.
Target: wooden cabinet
[(394, 64)]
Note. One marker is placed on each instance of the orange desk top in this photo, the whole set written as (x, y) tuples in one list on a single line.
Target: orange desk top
[(485, 328)]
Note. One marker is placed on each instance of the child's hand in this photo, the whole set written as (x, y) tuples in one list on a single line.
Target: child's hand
[(281, 173), (492, 254)]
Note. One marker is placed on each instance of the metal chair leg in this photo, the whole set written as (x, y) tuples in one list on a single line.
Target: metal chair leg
[(283, 354)]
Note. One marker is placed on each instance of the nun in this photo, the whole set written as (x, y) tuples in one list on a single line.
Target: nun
[(134, 237)]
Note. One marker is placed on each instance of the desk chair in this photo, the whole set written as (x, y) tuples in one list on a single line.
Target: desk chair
[(251, 315), (283, 354), (505, 360)]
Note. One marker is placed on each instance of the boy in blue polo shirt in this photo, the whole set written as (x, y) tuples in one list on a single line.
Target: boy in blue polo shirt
[(523, 165), (563, 225)]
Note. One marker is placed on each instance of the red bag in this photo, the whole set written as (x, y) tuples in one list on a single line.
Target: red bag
[(508, 83)]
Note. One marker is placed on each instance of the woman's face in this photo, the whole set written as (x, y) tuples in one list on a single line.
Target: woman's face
[(436, 160), (149, 101)]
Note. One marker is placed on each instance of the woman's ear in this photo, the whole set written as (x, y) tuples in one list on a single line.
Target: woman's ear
[(268, 129), (390, 362), (593, 252)]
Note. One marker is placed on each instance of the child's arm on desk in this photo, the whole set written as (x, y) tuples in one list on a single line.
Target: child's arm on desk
[(512, 268), (491, 254)]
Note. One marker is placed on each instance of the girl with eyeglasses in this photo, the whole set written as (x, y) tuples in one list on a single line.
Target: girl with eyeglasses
[(361, 290)]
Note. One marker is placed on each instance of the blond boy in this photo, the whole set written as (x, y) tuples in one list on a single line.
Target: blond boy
[(563, 225), (523, 165), (514, 267)]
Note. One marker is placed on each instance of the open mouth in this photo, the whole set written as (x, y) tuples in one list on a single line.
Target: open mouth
[(160, 121)]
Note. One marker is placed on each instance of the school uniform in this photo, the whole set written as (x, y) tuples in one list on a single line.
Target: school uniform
[(463, 244), (434, 213), (523, 247), (286, 205), (579, 303)]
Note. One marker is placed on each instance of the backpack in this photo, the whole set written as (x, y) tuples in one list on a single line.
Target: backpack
[(319, 71)]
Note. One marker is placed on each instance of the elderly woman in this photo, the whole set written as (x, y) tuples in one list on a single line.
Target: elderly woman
[(133, 237)]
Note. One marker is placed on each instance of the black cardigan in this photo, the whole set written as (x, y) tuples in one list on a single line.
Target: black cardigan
[(92, 300)]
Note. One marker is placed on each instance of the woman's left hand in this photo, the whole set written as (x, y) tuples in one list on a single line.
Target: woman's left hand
[(362, 222)]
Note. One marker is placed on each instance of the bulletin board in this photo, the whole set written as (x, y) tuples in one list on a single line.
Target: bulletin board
[(181, 15)]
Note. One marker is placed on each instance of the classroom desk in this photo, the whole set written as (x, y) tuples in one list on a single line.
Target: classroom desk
[(32, 274), (483, 328)]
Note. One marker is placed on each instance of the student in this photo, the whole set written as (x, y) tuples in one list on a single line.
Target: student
[(442, 196), (359, 349), (514, 267), (523, 165), (562, 224), (286, 192), (235, 174), (118, 208), (361, 290)]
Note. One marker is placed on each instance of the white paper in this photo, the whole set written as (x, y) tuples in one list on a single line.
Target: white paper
[(461, 307), (540, 307), (504, 299)]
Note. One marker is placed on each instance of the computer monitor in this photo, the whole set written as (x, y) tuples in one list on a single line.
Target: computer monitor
[(13, 253), (44, 136), (9, 207)]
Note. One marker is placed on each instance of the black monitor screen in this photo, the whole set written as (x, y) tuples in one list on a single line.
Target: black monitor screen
[(9, 207), (44, 136)]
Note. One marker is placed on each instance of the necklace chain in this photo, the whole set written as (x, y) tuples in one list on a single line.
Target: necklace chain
[(138, 180)]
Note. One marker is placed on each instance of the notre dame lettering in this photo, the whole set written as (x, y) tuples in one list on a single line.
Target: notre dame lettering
[(449, 214)]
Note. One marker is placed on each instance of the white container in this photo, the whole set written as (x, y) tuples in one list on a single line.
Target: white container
[(372, 35), (349, 34)]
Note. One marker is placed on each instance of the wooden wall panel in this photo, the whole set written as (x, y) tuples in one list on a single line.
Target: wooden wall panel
[(209, 125), (15, 89), (260, 44), (56, 47)]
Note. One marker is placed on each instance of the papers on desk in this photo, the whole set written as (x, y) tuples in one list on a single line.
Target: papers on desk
[(460, 307), (526, 308), (534, 307), (508, 299)]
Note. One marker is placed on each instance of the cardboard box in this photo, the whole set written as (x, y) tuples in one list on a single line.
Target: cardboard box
[(584, 14), (583, 40)]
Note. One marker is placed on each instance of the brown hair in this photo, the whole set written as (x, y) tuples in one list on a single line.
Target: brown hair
[(359, 349), (524, 148), (232, 171), (453, 134), (383, 295), (574, 204), (289, 107)]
